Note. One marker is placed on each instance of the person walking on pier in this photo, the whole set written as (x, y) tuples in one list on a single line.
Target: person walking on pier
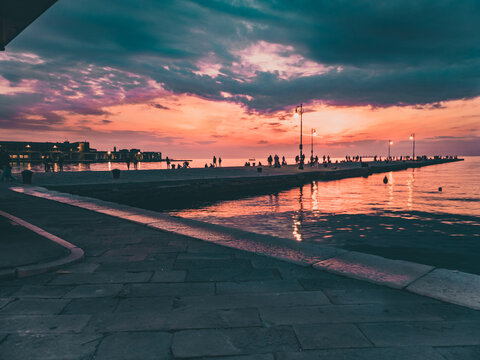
[(219, 161), (135, 162), (127, 161), (214, 161)]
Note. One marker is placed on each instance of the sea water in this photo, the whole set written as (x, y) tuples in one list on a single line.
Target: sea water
[(429, 215)]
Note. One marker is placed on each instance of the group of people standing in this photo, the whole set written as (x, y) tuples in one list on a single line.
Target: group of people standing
[(49, 163), (214, 163), (276, 161), (134, 161)]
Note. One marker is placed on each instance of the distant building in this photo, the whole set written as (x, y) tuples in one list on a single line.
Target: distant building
[(24, 151)]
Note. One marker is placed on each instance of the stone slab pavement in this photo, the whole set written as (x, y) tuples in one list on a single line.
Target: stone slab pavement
[(20, 246), (145, 294)]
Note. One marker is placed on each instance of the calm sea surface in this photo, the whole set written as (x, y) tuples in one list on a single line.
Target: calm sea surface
[(408, 218)]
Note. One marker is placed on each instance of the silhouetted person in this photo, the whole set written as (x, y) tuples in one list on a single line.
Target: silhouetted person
[(60, 162), (214, 161), (128, 162), (135, 163), (206, 165), (219, 161), (284, 162), (297, 159), (270, 160), (46, 163), (277, 161), (168, 162)]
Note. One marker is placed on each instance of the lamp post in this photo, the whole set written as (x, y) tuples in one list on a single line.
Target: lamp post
[(314, 133), (299, 110), (390, 142), (412, 137)]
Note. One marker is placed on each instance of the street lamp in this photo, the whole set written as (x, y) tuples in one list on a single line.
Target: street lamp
[(314, 133), (390, 142), (412, 137), (299, 110)]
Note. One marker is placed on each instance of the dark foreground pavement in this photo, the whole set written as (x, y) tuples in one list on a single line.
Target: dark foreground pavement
[(20, 246), (145, 294)]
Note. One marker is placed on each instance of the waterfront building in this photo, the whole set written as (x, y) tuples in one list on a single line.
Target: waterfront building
[(23, 151)]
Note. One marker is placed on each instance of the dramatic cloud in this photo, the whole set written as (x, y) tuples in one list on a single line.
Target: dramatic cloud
[(82, 59)]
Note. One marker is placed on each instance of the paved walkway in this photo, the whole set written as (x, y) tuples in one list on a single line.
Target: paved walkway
[(19, 247), (146, 294)]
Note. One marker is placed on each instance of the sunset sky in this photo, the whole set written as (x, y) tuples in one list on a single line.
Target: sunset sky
[(197, 78)]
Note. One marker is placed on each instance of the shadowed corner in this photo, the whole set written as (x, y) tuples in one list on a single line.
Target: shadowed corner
[(16, 15)]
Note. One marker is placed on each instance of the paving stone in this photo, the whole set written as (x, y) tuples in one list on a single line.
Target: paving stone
[(45, 292), (374, 296), (42, 323), (175, 289), (169, 276), (232, 274), (198, 246), (82, 268), (49, 347), (451, 286), (91, 306), (397, 353), (85, 291), (297, 272), (259, 261), (242, 357), (223, 342), (177, 319), (347, 313), (300, 298), (451, 312), (198, 264), (147, 265), (39, 279), (6, 291), (257, 286), (441, 333), (327, 336), (35, 306), (323, 282), (116, 277), (204, 256), (5, 301), (154, 304), (460, 352), (135, 345), (373, 268)]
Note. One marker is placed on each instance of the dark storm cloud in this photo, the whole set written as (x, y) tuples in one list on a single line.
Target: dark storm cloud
[(381, 53)]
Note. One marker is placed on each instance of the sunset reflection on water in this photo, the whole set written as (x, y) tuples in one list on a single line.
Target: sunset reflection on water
[(312, 212)]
